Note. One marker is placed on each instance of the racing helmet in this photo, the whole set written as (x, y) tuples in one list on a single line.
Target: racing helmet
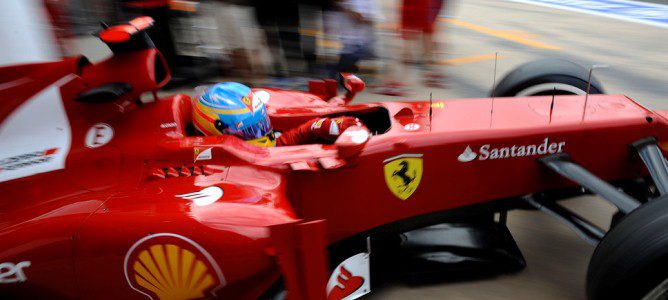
[(232, 108)]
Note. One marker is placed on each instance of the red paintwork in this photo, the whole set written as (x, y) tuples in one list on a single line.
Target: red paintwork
[(122, 33), (76, 225)]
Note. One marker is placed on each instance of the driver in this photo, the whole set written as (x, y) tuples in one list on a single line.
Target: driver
[(232, 108)]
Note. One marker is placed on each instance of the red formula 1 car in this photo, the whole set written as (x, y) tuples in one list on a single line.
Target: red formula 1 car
[(108, 197)]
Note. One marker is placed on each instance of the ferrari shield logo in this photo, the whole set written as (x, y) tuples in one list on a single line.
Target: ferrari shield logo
[(202, 153), (403, 174)]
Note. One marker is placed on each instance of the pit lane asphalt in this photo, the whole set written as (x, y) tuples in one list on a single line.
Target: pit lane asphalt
[(557, 257), (636, 53)]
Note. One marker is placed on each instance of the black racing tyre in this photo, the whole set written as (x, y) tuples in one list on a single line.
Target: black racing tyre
[(632, 259), (547, 77)]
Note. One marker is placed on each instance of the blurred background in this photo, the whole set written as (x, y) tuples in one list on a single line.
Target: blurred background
[(404, 50), (401, 48)]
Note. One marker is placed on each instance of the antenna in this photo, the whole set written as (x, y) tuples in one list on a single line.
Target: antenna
[(431, 108), (552, 104), (591, 71), (491, 111)]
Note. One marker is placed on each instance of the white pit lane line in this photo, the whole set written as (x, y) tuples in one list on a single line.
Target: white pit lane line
[(632, 11)]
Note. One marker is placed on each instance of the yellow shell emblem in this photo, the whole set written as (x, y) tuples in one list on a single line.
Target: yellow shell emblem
[(169, 266), (403, 174)]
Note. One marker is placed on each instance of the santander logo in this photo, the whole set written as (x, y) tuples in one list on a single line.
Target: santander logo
[(468, 155), (347, 285), (487, 152), (204, 197), (351, 279)]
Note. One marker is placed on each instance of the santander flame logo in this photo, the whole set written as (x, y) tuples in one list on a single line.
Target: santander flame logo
[(467, 155), (348, 284), (204, 197), (351, 279)]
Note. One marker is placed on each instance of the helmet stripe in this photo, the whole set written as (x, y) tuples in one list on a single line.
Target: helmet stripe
[(224, 111), (203, 115), (200, 128), (231, 111)]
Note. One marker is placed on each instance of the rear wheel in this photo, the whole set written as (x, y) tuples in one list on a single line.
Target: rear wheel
[(547, 77), (631, 262)]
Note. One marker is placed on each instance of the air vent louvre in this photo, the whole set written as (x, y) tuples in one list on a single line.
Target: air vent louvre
[(182, 171)]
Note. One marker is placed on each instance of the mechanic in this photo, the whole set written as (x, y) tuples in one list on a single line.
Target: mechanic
[(232, 108)]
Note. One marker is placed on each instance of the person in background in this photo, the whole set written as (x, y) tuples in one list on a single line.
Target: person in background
[(57, 10), (354, 23), (160, 33), (311, 14), (280, 23), (418, 21)]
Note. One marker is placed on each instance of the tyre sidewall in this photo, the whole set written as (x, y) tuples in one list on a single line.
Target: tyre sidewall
[(546, 71), (632, 258)]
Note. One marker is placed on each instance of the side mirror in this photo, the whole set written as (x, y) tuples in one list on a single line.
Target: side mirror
[(128, 37), (352, 84), (351, 142)]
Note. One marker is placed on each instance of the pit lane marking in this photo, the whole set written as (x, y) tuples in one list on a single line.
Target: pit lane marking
[(469, 59), (632, 11), (513, 36)]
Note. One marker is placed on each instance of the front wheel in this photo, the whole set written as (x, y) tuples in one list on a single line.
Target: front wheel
[(631, 262), (547, 77)]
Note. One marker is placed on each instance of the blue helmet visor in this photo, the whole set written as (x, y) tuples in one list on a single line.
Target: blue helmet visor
[(255, 130)]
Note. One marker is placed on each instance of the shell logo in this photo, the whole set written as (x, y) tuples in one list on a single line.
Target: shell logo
[(170, 266)]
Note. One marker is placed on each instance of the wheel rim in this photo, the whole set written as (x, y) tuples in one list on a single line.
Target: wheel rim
[(549, 89), (659, 292)]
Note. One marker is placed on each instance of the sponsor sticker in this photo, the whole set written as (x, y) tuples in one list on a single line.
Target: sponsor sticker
[(13, 273), (403, 174), (246, 100), (204, 197), (202, 153), (351, 279), (467, 155), (171, 266), (487, 152), (318, 123), (27, 160), (334, 129), (36, 137), (168, 125), (438, 105), (252, 102), (257, 103), (264, 96), (412, 127), (99, 135)]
